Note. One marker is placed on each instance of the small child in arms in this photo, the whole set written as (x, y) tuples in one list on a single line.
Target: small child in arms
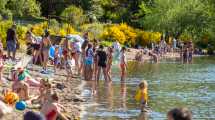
[(142, 95)]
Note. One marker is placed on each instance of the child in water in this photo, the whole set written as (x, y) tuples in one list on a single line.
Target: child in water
[(123, 63), (142, 95)]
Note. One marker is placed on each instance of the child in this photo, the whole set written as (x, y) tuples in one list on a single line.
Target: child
[(45, 91), (52, 109), (22, 89), (123, 63), (57, 58), (109, 62), (68, 65), (179, 114), (142, 95), (89, 63)]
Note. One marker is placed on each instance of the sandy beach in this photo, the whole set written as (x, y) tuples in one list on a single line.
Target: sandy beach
[(68, 91)]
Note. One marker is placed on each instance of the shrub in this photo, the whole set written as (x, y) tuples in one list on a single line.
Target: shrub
[(145, 38), (121, 33), (95, 29), (74, 15)]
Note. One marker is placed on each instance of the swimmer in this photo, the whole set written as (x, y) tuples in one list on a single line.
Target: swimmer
[(179, 114), (123, 63)]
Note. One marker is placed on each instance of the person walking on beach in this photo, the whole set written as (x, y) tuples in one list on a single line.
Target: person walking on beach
[(123, 64), (102, 63), (45, 46), (109, 62), (12, 42)]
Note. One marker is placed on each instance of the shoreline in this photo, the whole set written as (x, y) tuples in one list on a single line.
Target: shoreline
[(70, 94)]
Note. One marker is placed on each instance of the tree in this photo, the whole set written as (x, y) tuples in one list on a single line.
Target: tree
[(74, 15), (176, 17), (23, 8)]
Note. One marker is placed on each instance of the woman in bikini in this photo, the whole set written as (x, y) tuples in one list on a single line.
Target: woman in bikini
[(45, 46)]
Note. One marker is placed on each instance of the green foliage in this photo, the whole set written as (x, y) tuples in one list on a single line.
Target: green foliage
[(24, 8), (74, 15), (106, 43)]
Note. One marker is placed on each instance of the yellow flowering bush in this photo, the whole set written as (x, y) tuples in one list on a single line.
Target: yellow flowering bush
[(121, 33), (129, 32), (38, 29), (145, 38)]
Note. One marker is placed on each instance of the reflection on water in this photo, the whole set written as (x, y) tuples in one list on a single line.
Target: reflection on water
[(171, 84)]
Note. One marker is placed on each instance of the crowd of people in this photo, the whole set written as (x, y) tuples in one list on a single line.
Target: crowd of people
[(157, 51), (78, 58)]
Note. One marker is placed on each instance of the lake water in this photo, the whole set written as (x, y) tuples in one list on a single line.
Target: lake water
[(171, 84)]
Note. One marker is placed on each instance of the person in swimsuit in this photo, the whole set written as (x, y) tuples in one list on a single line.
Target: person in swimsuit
[(57, 58), (102, 62), (179, 114), (95, 61), (77, 51), (83, 52), (89, 63), (109, 62), (22, 89), (142, 95), (45, 46), (68, 64), (123, 63), (52, 109)]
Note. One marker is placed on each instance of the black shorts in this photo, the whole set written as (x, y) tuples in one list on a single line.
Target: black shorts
[(36, 46), (101, 64)]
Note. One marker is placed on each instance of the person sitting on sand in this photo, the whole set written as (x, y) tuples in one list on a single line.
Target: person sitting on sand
[(179, 114), (45, 91), (123, 63), (22, 89), (52, 109), (23, 75), (142, 95), (30, 115)]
